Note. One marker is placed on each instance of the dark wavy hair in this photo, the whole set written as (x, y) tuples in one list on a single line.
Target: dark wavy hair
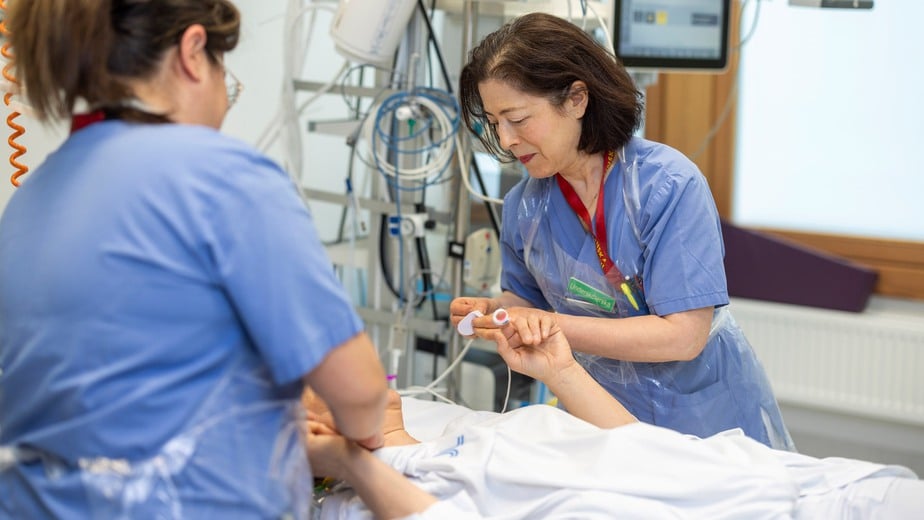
[(66, 50), (543, 55)]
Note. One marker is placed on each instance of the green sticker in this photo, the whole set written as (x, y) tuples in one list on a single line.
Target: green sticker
[(590, 294)]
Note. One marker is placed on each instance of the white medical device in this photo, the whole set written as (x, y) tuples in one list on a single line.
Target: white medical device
[(369, 31), (835, 4), (498, 317), (481, 265)]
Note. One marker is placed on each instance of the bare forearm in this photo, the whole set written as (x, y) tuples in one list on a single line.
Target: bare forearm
[(585, 399), (361, 421), (508, 299), (387, 493), (352, 383), (680, 336)]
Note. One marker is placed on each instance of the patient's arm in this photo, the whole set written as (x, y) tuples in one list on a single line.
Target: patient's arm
[(387, 493), (584, 398), (546, 355)]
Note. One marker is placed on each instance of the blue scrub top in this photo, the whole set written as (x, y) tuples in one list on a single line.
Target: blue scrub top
[(678, 251), (663, 227), (162, 291)]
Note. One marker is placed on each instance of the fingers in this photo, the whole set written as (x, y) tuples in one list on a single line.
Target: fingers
[(499, 337), (533, 326), (319, 428), (461, 307), (520, 326), (313, 402)]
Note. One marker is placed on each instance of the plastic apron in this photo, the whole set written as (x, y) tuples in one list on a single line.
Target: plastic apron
[(187, 478), (724, 387)]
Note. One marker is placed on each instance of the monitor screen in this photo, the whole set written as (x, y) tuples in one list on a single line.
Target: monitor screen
[(689, 35)]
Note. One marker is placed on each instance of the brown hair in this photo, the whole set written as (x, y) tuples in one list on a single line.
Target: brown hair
[(66, 50), (541, 54)]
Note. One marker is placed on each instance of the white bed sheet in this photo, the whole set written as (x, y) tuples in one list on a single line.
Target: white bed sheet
[(542, 463), (426, 420)]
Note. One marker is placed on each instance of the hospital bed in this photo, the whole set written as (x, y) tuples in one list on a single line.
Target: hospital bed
[(539, 462)]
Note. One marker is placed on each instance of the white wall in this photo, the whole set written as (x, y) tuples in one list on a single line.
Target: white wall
[(258, 63), (829, 130), (830, 120)]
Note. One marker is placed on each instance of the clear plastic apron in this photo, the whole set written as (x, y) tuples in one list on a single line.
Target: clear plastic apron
[(724, 387), (191, 476)]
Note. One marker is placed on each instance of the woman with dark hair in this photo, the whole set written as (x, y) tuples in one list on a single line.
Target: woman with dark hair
[(618, 235), (164, 296)]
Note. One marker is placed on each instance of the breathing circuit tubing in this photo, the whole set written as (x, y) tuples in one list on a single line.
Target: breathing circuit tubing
[(18, 130)]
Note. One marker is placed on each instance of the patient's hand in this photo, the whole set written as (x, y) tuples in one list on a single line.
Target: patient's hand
[(526, 326), (543, 351)]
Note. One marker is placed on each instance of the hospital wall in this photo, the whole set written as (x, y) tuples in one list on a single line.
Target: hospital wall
[(833, 409), (849, 384)]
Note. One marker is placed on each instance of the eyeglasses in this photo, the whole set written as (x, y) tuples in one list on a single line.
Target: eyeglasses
[(233, 86)]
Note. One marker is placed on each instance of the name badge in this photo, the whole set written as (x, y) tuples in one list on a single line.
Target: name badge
[(590, 294)]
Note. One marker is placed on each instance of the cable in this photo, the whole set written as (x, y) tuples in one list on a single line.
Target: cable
[(452, 366), (463, 162), (606, 32), (492, 213), (432, 388), (18, 130), (431, 115), (733, 90), (507, 396)]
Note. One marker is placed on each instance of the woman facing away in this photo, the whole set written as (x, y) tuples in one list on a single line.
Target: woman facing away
[(164, 296)]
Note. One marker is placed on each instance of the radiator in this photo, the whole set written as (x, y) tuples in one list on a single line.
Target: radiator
[(867, 364)]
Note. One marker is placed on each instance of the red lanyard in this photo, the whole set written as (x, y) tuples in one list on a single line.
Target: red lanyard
[(612, 273), (597, 227), (81, 121)]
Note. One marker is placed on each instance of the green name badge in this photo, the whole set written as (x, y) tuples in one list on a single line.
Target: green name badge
[(591, 295)]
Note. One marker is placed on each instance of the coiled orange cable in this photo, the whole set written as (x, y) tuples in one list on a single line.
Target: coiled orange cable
[(18, 130)]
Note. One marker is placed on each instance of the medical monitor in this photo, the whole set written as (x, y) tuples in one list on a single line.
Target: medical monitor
[(680, 35)]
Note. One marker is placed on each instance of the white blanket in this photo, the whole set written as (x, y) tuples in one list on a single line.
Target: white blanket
[(540, 462)]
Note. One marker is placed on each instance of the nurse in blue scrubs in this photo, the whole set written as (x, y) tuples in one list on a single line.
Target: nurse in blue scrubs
[(618, 235), (164, 295)]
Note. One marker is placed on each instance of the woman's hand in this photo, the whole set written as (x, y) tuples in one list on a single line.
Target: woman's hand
[(525, 326), (459, 308), (328, 451)]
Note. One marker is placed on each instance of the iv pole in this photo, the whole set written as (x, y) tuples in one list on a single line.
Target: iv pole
[(463, 211)]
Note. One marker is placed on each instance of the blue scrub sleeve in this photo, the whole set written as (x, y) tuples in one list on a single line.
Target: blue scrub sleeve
[(684, 267), (515, 276), (275, 269)]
